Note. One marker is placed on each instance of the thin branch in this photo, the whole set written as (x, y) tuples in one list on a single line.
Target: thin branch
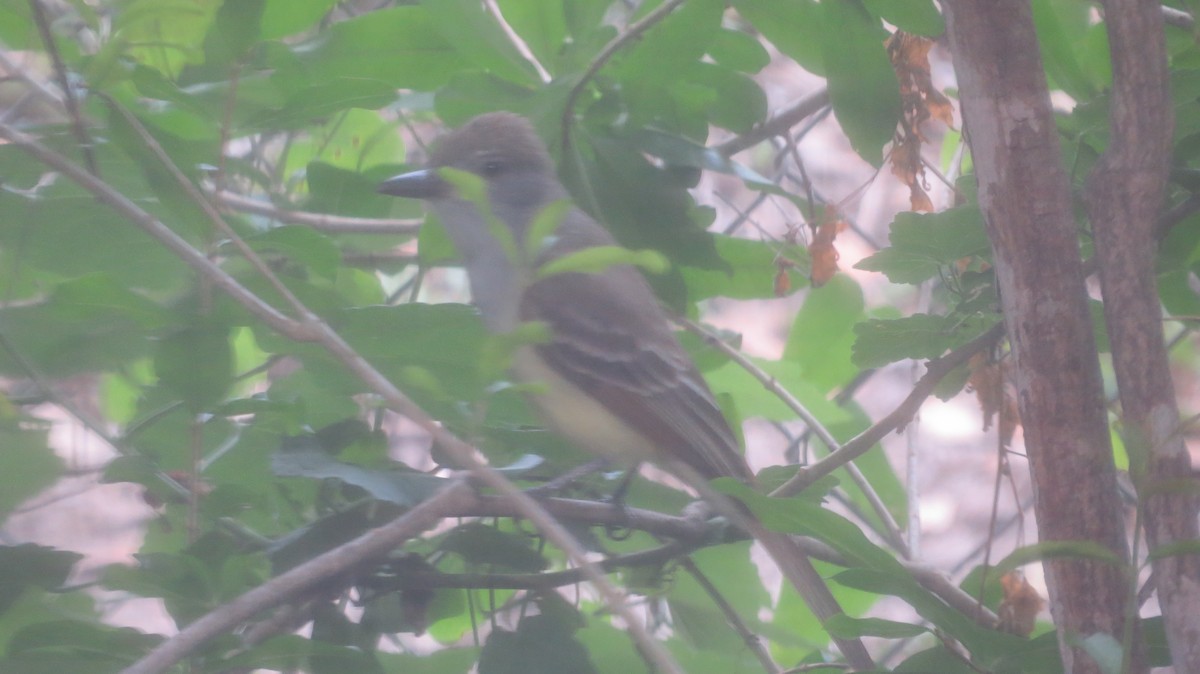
[(215, 217), (64, 82), (333, 224), (541, 581), (37, 87), (298, 581), (778, 125)]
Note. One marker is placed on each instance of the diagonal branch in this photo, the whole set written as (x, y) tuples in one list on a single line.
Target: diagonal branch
[(898, 418)]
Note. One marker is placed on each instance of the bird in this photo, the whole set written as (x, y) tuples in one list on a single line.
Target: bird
[(613, 377)]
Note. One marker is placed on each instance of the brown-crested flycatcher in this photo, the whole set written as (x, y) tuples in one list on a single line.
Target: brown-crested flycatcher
[(615, 380)]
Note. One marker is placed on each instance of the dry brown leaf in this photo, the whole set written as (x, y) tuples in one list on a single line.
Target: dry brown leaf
[(918, 199), (1020, 606), (906, 160), (987, 382), (824, 254), (783, 281)]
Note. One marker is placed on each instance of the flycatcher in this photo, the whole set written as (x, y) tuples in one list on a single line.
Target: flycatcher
[(615, 380)]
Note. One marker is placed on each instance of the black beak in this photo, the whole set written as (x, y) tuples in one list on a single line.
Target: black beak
[(423, 184)]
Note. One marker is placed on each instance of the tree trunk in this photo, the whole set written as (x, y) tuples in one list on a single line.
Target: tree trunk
[(1025, 197), (1124, 200)]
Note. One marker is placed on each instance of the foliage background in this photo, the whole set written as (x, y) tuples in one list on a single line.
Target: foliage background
[(240, 440)]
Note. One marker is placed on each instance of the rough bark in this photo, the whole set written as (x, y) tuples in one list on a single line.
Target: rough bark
[(1124, 200), (1024, 194)]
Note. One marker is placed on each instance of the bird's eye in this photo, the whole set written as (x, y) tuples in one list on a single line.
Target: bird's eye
[(492, 167)]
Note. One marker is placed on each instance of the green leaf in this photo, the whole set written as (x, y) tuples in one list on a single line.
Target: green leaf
[(1060, 30), (630, 194), (399, 46), (164, 34), (793, 27), (540, 644), (670, 46), (74, 646), (739, 50), (842, 625), (921, 336), (59, 342), (445, 339), (799, 516), (65, 232), (987, 645), (302, 245), (598, 258), (287, 17), (822, 335), (862, 85), (759, 401), (1038, 552), (303, 457), (322, 100), (937, 659), (542, 25), (449, 659), (98, 296), (196, 364), (29, 565), (923, 245), (749, 271), (355, 140), (541, 231), (472, 93), (234, 33), (491, 548), (739, 102), (1178, 548), (477, 36)]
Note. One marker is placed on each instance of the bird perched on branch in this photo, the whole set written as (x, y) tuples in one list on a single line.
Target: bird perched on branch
[(614, 379)]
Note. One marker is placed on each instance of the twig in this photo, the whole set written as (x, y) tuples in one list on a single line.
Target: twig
[(904, 412), (215, 217), (64, 82), (299, 580), (633, 31), (37, 88), (752, 641), (334, 224), (777, 125)]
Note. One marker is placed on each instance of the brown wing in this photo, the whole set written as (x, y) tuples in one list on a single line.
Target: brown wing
[(612, 340)]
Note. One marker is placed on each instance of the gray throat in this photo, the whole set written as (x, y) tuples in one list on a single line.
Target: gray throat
[(495, 280)]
